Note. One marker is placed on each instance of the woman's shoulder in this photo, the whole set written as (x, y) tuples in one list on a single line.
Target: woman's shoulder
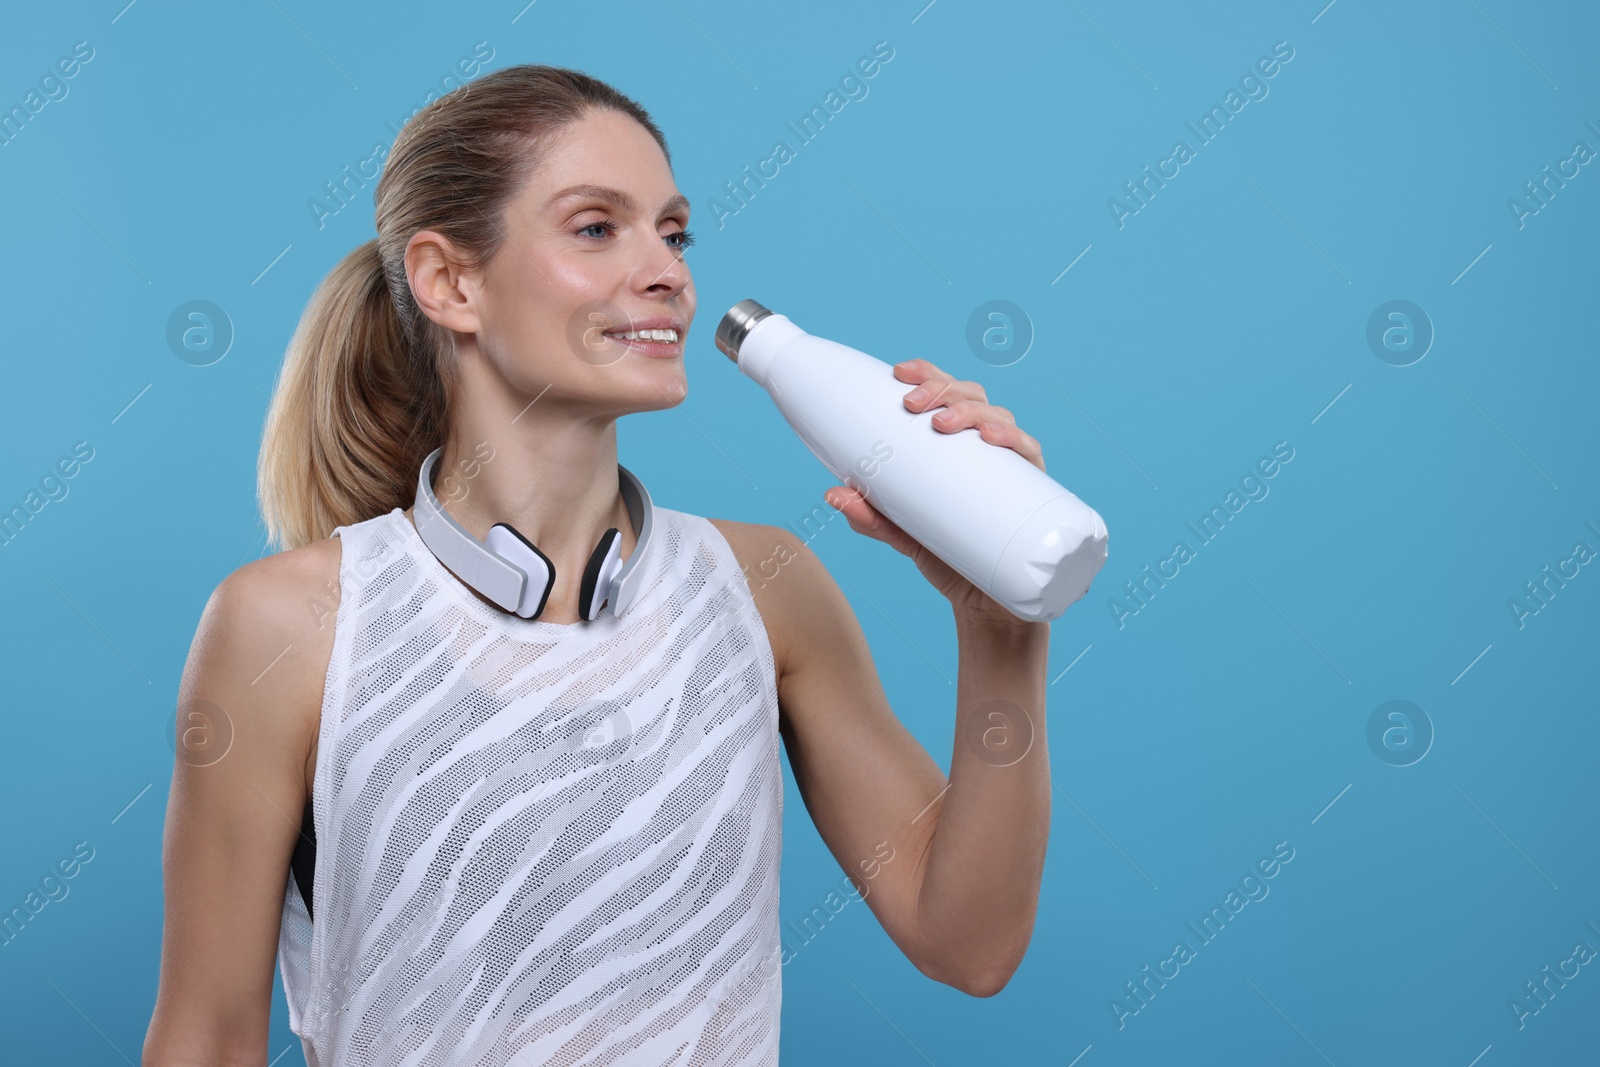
[(282, 590), (286, 600), (273, 592), (754, 541), (265, 638)]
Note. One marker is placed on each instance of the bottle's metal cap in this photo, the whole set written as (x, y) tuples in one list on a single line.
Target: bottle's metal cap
[(736, 324)]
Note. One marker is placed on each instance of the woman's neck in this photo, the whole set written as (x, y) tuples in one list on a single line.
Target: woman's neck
[(552, 477)]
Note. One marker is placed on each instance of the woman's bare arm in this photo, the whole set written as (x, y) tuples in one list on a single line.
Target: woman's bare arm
[(950, 867), (248, 708)]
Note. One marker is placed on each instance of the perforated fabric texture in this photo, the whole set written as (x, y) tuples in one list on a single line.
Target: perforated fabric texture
[(540, 843)]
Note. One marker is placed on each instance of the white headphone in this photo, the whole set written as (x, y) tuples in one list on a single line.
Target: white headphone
[(511, 571)]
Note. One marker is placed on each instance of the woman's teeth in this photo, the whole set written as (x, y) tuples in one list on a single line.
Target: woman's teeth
[(669, 336)]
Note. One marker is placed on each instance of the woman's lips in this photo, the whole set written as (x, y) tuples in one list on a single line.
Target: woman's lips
[(659, 349)]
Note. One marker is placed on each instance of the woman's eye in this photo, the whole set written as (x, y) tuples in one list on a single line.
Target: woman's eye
[(604, 227), (683, 239)]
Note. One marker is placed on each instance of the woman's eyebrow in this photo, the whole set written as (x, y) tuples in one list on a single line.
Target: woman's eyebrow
[(616, 198)]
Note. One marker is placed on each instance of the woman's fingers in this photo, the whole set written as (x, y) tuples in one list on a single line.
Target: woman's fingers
[(1011, 436), (933, 388), (964, 413), (995, 424), (964, 404), (866, 519)]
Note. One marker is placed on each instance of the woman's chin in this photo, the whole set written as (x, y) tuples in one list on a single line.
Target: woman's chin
[(673, 393), (653, 391)]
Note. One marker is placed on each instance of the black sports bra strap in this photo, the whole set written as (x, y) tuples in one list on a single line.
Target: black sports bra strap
[(303, 863)]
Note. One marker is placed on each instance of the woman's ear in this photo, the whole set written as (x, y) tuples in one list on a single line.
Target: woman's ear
[(444, 289)]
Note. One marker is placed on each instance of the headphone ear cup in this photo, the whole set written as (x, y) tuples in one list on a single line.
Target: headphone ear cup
[(504, 541), (603, 565)]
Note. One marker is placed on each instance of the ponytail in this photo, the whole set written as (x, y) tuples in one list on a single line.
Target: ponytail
[(366, 384), (352, 417)]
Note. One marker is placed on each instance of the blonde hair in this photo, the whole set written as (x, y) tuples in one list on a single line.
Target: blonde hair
[(367, 380)]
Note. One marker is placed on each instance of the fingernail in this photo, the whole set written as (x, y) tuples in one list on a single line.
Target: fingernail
[(917, 395)]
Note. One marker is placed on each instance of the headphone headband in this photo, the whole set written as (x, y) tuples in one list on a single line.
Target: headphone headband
[(502, 581)]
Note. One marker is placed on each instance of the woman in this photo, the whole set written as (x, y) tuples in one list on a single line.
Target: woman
[(552, 836)]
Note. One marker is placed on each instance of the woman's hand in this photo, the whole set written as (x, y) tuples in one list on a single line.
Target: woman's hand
[(964, 406)]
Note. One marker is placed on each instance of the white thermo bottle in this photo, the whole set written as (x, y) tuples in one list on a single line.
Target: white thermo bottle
[(996, 519)]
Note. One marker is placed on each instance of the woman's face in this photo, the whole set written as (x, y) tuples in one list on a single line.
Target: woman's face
[(593, 251)]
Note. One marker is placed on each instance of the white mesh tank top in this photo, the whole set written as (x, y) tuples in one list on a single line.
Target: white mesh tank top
[(540, 843)]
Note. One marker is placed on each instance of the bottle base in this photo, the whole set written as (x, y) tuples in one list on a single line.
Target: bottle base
[(1050, 561)]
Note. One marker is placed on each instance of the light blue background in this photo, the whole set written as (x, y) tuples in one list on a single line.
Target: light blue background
[(1227, 315)]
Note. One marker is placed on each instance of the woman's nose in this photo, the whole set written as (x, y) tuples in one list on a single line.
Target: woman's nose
[(662, 270)]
